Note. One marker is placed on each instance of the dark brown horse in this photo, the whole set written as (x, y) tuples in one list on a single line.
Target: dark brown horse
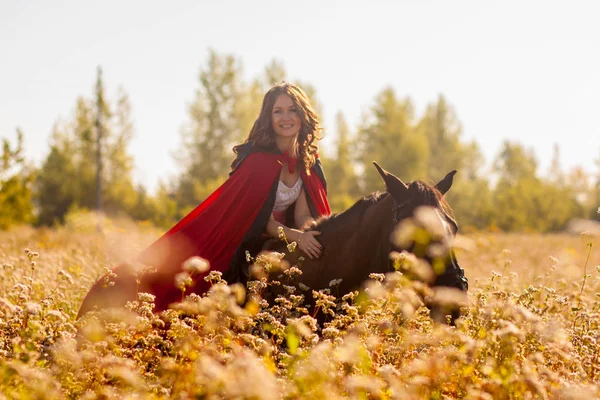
[(358, 241)]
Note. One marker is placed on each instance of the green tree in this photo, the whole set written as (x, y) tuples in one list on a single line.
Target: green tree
[(471, 194), (523, 201), (160, 209), (213, 128), (68, 175), (443, 131), (342, 180), (16, 178), (388, 135)]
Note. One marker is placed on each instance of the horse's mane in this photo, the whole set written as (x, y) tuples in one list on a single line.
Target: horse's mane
[(425, 194), (356, 210), (431, 196)]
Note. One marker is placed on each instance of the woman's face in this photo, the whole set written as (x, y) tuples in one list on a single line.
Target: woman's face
[(285, 116)]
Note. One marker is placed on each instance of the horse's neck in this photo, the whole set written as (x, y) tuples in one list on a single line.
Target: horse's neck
[(375, 234)]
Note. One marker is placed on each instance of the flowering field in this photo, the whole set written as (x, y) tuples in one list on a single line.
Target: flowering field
[(530, 329)]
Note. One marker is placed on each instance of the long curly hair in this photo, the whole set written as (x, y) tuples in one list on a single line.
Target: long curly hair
[(262, 135)]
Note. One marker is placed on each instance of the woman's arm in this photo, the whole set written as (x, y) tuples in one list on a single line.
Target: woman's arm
[(302, 216), (306, 240)]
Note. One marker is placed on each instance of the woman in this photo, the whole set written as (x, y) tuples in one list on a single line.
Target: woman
[(276, 183)]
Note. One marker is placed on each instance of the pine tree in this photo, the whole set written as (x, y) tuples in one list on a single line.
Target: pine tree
[(16, 177), (443, 131), (388, 136), (342, 180), (68, 177), (212, 130)]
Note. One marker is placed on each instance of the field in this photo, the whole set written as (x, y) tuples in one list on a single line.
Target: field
[(530, 330)]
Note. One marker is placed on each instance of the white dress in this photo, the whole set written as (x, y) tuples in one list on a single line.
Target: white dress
[(286, 196)]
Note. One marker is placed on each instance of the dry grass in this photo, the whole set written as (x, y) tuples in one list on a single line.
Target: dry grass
[(531, 329)]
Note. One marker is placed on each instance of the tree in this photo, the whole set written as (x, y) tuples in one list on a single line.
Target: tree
[(523, 201), (68, 177), (388, 135), (555, 173), (342, 180), (16, 179), (443, 131), (212, 130)]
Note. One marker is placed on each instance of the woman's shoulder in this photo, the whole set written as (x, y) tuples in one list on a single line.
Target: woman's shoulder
[(251, 157)]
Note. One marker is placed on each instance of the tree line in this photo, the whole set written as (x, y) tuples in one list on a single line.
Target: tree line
[(509, 194)]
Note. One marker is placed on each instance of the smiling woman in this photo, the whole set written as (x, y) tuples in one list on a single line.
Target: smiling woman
[(276, 183)]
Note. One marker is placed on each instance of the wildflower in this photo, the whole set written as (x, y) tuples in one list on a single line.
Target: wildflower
[(248, 256), (291, 247), (21, 287), (554, 260), (302, 286), (587, 234), (377, 277), (437, 251), (213, 277), (146, 297), (289, 289), (428, 218), (196, 265), (335, 282), (239, 292), (293, 271), (57, 315), (6, 304), (280, 233), (182, 280), (66, 276), (32, 308), (405, 233), (257, 271), (331, 332)]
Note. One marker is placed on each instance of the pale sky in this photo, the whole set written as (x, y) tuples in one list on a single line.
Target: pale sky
[(528, 71)]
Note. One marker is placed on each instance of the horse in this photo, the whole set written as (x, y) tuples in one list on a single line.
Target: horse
[(358, 241)]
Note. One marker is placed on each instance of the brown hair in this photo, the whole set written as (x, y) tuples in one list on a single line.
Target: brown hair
[(262, 135)]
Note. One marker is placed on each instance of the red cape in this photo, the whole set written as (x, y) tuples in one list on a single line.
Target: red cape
[(213, 230)]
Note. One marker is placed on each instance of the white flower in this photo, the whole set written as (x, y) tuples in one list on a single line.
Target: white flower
[(196, 265), (182, 280), (335, 282), (146, 297), (32, 308)]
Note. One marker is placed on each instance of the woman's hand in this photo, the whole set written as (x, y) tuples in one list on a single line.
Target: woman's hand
[(309, 244)]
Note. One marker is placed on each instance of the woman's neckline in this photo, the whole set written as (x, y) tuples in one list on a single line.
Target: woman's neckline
[(293, 186)]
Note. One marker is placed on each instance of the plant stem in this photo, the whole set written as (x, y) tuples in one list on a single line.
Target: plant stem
[(590, 245)]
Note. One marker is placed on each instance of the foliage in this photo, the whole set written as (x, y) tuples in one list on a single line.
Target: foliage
[(343, 185), (16, 179), (213, 129), (388, 135), (68, 175), (511, 194)]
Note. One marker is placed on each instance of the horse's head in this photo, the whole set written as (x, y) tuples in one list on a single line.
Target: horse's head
[(424, 226)]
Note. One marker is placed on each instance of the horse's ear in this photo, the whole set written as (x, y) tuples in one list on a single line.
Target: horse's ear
[(444, 185), (394, 185)]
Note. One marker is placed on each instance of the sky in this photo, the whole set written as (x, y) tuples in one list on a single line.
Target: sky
[(525, 71)]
